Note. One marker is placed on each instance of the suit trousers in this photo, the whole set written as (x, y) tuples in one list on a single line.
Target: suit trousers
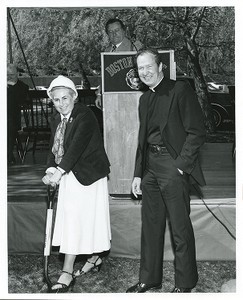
[(165, 193)]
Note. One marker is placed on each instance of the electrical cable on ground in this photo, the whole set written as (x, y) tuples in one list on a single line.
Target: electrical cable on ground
[(227, 229)]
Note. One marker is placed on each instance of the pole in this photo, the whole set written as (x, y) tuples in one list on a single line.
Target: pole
[(9, 38), (27, 65)]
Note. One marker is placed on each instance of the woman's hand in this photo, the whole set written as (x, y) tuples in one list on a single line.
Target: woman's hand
[(55, 178), (49, 172), (46, 178)]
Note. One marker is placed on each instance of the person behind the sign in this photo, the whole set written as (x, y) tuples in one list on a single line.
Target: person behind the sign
[(170, 135), (78, 163), (116, 31)]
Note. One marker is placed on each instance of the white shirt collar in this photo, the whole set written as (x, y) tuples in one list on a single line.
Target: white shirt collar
[(12, 82), (117, 45), (67, 116)]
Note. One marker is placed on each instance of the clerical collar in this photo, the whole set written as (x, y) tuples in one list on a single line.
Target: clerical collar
[(153, 88)]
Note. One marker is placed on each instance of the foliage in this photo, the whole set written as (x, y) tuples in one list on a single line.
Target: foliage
[(69, 41), (61, 39)]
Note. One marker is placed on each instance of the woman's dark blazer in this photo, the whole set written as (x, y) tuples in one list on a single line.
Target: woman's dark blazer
[(182, 127), (84, 152)]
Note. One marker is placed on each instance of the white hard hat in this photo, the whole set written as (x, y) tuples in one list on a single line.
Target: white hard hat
[(62, 81)]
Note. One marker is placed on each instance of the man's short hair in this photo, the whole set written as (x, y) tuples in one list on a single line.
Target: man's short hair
[(114, 20), (152, 51)]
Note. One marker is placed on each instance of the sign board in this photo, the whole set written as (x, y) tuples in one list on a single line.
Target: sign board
[(119, 74)]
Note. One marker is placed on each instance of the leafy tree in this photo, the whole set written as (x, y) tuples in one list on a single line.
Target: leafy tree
[(194, 33), (70, 40)]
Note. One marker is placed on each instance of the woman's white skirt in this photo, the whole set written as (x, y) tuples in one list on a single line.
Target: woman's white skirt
[(82, 223)]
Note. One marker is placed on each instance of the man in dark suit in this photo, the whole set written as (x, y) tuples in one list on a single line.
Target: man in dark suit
[(116, 31), (119, 42), (17, 95), (170, 136)]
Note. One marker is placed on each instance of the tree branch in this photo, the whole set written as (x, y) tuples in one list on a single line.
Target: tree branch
[(200, 18), (186, 15), (215, 45)]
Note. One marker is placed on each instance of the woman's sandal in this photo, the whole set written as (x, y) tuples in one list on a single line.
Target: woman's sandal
[(93, 266), (64, 287)]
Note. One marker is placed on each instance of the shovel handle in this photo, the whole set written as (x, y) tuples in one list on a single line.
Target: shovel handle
[(48, 233), (51, 192)]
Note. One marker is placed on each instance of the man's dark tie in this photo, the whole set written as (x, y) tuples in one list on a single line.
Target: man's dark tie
[(57, 148), (113, 49)]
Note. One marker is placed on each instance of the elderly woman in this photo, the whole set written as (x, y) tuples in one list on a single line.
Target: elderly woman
[(78, 163)]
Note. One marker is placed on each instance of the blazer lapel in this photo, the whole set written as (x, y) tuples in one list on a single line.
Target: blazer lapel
[(125, 45), (68, 128), (144, 118), (70, 123), (166, 92)]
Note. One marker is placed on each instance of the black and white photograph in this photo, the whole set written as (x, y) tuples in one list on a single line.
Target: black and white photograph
[(121, 149)]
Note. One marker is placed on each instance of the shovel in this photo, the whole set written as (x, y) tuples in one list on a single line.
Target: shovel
[(51, 192)]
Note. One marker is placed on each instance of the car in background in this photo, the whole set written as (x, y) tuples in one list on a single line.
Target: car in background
[(222, 101), (223, 105), (39, 88)]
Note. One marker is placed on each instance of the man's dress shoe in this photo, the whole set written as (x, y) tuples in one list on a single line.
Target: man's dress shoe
[(143, 287), (181, 290)]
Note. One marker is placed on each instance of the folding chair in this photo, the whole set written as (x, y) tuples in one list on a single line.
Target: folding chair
[(36, 114)]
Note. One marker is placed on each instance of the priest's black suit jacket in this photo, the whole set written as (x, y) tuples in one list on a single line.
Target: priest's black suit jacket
[(181, 127), (84, 152)]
